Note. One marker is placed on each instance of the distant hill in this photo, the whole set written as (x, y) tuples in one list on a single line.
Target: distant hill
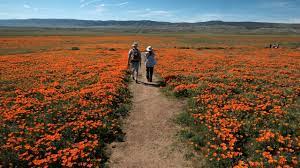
[(154, 25), (70, 23), (93, 23)]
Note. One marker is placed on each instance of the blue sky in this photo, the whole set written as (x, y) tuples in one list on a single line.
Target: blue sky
[(287, 11)]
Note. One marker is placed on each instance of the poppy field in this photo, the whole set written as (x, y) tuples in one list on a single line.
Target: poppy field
[(62, 98), (60, 107), (244, 103)]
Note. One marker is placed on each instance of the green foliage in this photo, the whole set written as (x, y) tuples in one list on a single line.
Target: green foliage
[(75, 48)]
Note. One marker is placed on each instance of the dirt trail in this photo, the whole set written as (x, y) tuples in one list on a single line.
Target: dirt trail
[(150, 132)]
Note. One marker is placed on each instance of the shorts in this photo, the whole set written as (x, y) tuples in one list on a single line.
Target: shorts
[(135, 66)]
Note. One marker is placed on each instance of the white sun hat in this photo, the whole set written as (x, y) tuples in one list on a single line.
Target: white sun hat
[(149, 48), (135, 44)]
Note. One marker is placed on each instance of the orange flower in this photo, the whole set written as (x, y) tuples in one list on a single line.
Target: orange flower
[(282, 160)]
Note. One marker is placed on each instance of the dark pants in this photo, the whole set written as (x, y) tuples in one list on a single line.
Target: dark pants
[(149, 74)]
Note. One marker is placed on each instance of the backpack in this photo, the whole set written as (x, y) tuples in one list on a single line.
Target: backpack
[(135, 55)]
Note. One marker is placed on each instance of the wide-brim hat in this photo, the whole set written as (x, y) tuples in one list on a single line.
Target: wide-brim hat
[(149, 48), (135, 44)]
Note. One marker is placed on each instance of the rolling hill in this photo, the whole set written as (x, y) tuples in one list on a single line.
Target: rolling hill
[(147, 25)]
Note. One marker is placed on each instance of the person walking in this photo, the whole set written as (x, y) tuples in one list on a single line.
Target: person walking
[(134, 61), (150, 62)]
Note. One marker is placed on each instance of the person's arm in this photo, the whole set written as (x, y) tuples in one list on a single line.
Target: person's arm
[(140, 58), (146, 56), (129, 54)]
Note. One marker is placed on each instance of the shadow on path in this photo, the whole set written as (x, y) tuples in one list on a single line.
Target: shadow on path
[(156, 84)]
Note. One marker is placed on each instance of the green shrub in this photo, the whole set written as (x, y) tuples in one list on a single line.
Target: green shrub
[(75, 48)]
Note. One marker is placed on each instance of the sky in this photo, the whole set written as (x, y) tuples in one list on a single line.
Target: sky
[(283, 11)]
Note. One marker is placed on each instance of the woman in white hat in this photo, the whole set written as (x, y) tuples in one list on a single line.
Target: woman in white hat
[(150, 62)]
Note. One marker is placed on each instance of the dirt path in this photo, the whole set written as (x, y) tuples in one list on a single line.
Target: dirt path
[(150, 132)]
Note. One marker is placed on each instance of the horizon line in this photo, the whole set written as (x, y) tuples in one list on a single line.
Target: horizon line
[(150, 20)]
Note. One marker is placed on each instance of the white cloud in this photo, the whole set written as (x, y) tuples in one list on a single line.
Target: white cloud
[(121, 4), (31, 7), (26, 6), (87, 3), (294, 20), (100, 8)]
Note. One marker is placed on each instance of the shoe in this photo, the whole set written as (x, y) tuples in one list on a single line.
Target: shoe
[(136, 81)]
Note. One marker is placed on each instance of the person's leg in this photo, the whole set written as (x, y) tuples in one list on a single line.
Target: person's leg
[(132, 70), (151, 73), (148, 73), (136, 67)]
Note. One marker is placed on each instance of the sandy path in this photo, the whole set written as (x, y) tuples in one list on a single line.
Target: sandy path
[(150, 132)]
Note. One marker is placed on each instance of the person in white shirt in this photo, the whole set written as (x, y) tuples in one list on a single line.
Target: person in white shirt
[(150, 62)]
